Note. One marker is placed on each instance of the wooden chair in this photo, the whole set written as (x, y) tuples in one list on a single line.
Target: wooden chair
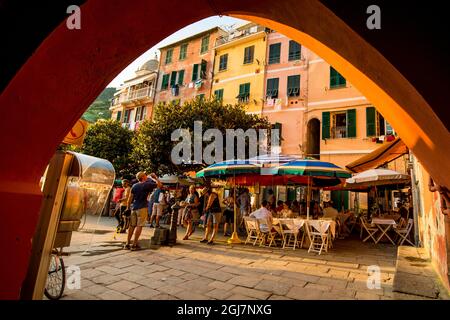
[(370, 229), (265, 232), (318, 238), (404, 232), (290, 233), (251, 226)]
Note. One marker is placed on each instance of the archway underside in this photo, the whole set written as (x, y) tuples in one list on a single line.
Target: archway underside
[(70, 68)]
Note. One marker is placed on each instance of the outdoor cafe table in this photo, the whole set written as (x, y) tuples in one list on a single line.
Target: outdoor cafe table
[(317, 224), (384, 225)]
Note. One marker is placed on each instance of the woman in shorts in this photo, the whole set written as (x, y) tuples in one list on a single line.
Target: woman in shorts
[(191, 211)]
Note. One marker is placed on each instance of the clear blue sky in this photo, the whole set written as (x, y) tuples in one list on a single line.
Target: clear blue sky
[(187, 31)]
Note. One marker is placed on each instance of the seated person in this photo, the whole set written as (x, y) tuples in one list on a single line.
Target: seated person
[(263, 213), (329, 211), (279, 206), (295, 207), (286, 212)]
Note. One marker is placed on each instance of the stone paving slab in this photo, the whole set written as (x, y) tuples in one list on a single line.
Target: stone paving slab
[(192, 270)]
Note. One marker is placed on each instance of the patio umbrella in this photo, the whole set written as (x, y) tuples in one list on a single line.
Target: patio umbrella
[(228, 168), (375, 177), (317, 172)]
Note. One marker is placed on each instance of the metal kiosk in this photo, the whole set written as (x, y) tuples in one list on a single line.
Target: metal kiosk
[(74, 184)]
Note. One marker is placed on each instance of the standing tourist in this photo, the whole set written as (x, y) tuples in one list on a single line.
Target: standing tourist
[(228, 213), (191, 211), (159, 203), (122, 215), (138, 203), (212, 213)]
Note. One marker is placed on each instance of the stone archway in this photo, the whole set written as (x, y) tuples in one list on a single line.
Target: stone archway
[(70, 68), (313, 138)]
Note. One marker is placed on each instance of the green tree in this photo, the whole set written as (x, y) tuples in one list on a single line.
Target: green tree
[(107, 139), (99, 109), (152, 144)]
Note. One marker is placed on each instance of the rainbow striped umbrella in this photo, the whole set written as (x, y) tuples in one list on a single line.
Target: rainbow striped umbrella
[(228, 168), (312, 168)]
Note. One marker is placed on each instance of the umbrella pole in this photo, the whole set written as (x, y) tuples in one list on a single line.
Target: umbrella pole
[(308, 197), (234, 237)]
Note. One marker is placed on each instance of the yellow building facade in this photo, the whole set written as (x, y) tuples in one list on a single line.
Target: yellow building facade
[(239, 67)]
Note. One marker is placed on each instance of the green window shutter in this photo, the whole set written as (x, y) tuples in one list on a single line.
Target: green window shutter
[(205, 44), (173, 78), (336, 79), (293, 86), (295, 50), (203, 69), (165, 82), (119, 115), (351, 123), (248, 54), (272, 88), (223, 64), (180, 77), (183, 51), (195, 72), (218, 94), (274, 53), (325, 125), (370, 122), (169, 53)]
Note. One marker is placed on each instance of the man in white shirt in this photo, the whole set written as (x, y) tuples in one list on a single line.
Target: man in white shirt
[(263, 213)]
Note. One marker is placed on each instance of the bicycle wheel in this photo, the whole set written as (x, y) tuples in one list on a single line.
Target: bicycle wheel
[(56, 278)]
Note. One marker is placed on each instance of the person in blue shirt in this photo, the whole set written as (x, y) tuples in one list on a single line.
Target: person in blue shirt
[(138, 204)]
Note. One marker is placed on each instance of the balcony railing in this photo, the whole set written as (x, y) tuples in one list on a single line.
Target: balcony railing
[(339, 132), (147, 92), (238, 34)]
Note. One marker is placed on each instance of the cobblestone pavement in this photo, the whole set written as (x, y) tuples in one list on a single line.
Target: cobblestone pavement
[(193, 270)]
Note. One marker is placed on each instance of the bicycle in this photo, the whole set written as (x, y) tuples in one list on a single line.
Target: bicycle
[(56, 278)]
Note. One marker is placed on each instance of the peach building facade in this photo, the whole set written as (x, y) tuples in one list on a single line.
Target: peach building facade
[(133, 101), (341, 124), (186, 68)]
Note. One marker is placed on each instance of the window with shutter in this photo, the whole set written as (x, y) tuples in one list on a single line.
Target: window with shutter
[(272, 88), (325, 125), (293, 86), (218, 94), (274, 53), (173, 79), (294, 50), (169, 54), (205, 44), (180, 77), (370, 122), (223, 64), (203, 66), (244, 92), (248, 54), (195, 72), (119, 115), (351, 123), (165, 82), (183, 51), (336, 79)]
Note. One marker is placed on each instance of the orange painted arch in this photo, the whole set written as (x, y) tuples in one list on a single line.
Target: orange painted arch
[(71, 67)]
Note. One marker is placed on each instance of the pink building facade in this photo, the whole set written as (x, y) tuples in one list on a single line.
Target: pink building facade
[(285, 87)]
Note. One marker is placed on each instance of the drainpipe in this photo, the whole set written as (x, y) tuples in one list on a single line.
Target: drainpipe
[(415, 197)]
